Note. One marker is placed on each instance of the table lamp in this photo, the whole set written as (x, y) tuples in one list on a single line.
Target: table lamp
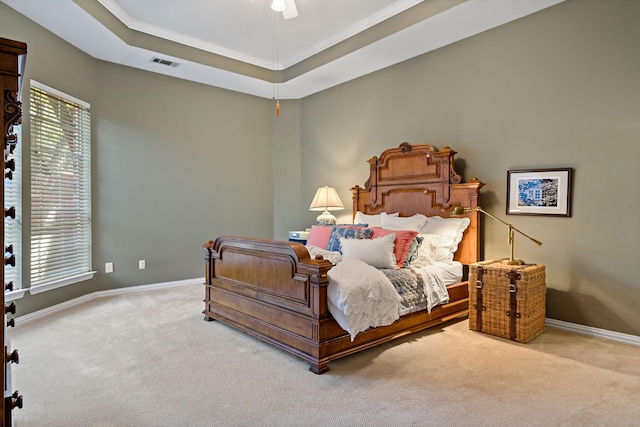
[(457, 211), (326, 200)]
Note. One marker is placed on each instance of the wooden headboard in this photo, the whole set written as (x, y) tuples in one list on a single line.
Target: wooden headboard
[(415, 179)]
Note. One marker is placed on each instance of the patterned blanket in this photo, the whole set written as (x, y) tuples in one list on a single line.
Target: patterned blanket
[(410, 286)]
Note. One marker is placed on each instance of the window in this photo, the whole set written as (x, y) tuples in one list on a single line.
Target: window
[(60, 189)]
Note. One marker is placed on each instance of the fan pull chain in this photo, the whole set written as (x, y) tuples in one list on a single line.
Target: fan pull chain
[(275, 62)]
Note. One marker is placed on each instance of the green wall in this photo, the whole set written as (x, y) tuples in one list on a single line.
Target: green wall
[(164, 184), (287, 171), (162, 181), (560, 88)]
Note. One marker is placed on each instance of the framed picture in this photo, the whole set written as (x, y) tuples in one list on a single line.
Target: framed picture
[(539, 192)]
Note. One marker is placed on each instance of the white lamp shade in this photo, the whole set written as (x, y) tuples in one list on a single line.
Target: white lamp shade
[(326, 199)]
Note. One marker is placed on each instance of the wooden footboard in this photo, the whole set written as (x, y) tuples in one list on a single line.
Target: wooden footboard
[(274, 291)]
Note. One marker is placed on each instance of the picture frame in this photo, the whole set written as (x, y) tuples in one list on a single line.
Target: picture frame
[(545, 192)]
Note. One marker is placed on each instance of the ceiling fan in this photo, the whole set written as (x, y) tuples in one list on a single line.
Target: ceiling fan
[(287, 7)]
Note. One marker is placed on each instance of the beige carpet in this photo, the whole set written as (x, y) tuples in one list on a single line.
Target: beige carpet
[(148, 359)]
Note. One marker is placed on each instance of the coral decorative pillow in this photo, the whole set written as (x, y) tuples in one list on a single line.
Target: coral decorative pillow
[(319, 236), (402, 243)]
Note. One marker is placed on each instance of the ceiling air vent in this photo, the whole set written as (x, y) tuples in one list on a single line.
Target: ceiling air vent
[(165, 62)]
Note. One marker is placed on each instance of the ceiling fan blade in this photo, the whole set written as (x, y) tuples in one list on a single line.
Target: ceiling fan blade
[(290, 11)]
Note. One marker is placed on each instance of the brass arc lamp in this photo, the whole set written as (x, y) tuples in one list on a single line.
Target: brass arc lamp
[(458, 211)]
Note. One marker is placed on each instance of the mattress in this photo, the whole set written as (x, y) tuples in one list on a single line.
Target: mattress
[(451, 273)]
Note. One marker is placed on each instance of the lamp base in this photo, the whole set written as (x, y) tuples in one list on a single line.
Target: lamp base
[(514, 261), (325, 218)]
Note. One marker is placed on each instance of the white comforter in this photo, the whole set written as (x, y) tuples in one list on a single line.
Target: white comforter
[(435, 287), (361, 296)]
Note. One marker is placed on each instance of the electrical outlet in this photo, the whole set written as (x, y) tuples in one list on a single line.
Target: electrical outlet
[(141, 264), (108, 267)]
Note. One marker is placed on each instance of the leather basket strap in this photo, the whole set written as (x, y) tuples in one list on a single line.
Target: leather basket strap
[(513, 314), (478, 305)]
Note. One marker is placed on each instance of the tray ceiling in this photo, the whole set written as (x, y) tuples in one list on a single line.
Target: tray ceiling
[(242, 45)]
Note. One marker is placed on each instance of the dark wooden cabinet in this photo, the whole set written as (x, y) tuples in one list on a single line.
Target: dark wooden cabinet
[(12, 56)]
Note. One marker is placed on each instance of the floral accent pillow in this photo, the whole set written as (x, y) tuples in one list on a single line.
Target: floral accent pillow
[(348, 233), (412, 253)]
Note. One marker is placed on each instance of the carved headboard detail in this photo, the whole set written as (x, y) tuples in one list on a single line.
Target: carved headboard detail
[(415, 179)]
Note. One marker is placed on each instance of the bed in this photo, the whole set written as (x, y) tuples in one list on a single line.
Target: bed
[(275, 291)]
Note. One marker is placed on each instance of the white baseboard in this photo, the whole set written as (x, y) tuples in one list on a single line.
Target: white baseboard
[(141, 288), (101, 294), (594, 332), (573, 327)]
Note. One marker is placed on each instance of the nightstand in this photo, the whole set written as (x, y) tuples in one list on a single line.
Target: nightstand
[(507, 301), (299, 236)]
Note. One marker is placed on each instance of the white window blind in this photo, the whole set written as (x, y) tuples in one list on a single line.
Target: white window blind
[(60, 186), (13, 226)]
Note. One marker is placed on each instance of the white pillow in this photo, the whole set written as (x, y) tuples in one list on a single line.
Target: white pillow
[(438, 249), (371, 220), (427, 250), (450, 231), (414, 223), (377, 253)]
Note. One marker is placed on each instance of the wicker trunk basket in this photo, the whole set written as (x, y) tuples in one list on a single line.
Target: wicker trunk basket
[(507, 301)]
